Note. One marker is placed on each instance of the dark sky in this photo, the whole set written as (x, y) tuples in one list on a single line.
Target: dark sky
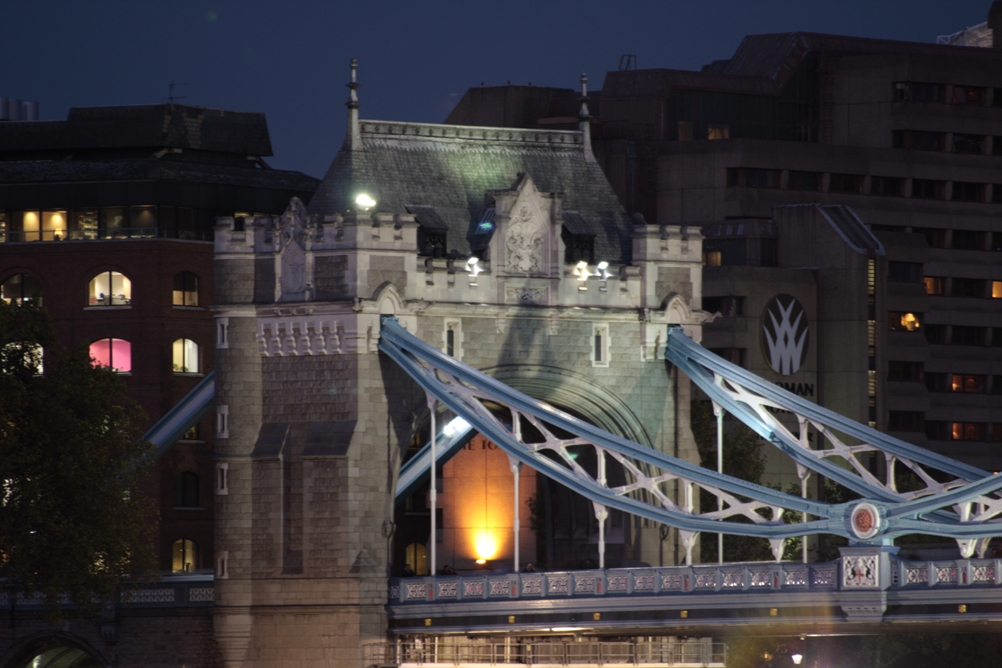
[(416, 58)]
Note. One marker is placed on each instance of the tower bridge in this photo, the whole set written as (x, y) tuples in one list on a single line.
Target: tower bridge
[(452, 282)]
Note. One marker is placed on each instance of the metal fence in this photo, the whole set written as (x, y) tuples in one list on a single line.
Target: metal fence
[(569, 651)]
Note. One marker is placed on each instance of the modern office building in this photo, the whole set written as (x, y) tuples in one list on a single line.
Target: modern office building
[(907, 135), (106, 219)]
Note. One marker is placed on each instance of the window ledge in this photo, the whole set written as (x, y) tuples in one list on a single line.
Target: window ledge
[(116, 307), (188, 308), (191, 375), (187, 508)]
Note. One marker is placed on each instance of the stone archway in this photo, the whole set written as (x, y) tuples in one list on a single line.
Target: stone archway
[(53, 650)]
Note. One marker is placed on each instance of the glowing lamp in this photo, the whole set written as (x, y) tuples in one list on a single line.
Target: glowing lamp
[(455, 426), (797, 658), (486, 546), (365, 202)]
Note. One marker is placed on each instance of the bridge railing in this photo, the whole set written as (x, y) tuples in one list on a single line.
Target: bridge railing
[(665, 651), (754, 576), (171, 591), (758, 576)]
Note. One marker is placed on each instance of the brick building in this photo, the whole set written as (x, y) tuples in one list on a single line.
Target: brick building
[(106, 219)]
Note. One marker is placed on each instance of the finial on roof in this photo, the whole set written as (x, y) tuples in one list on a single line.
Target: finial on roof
[(353, 136), (584, 120)]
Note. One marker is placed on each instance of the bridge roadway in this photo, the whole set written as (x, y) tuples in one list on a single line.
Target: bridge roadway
[(766, 598)]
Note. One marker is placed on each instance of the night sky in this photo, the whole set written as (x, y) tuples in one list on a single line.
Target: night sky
[(290, 59)]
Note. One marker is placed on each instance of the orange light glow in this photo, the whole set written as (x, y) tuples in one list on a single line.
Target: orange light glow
[(487, 545)]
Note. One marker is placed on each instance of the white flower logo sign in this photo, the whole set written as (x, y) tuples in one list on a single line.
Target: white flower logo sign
[(785, 334)]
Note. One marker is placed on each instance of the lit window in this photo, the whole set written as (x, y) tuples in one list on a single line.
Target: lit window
[(185, 555), (115, 354), (54, 225), (416, 556), (712, 258), (933, 285), (718, 132), (185, 289), (904, 322), (110, 288), (185, 356), (996, 289), (21, 289), (29, 224)]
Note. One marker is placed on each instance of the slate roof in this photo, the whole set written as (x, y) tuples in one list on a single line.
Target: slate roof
[(146, 169), (142, 126), (450, 168)]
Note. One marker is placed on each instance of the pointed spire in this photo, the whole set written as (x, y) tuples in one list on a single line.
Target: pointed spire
[(584, 119), (353, 137)]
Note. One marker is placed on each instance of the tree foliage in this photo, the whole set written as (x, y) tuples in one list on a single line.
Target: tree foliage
[(743, 458), (73, 521)]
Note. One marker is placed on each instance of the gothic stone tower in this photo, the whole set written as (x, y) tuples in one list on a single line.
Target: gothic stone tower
[(505, 247)]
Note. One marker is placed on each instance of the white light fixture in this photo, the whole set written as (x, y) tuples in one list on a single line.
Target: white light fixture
[(365, 202), (473, 266), (455, 426), (581, 271), (797, 658)]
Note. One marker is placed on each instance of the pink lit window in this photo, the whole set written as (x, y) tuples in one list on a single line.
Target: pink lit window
[(114, 353)]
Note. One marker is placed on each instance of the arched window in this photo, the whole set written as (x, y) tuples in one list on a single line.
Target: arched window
[(114, 353), (416, 556), (185, 289), (21, 289), (110, 288), (185, 356), (185, 555), (186, 490)]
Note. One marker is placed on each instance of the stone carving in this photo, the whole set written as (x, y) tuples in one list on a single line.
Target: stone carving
[(525, 243), (291, 337), (859, 571), (535, 296)]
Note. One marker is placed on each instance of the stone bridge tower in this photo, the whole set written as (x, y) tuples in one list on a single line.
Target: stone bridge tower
[(506, 248)]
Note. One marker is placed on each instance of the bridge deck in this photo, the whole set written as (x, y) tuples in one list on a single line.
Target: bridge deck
[(678, 599)]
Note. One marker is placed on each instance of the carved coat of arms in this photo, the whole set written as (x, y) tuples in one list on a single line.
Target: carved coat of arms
[(524, 245)]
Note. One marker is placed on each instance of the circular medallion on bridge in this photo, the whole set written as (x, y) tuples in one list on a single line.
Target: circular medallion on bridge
[(865, 520)]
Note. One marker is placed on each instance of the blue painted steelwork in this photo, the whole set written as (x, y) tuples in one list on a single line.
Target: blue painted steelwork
[(183, 416), (959, 509), (415, 470), (431, 369), (943, 509)]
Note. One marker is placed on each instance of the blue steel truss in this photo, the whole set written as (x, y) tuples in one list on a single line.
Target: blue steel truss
[(964, 508)]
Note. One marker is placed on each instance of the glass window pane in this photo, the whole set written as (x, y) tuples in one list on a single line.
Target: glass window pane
[(100, 352), (54, 225), (84, 224), (113, 217), (143, 216)]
